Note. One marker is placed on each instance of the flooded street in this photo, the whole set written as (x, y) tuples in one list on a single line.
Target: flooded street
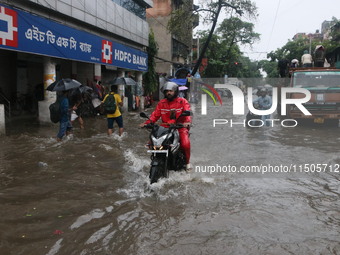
[(90, 195)]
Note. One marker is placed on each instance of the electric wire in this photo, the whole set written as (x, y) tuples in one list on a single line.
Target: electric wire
[(273, 26)]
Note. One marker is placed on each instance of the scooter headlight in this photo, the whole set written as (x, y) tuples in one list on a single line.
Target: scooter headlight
[(158, 141)]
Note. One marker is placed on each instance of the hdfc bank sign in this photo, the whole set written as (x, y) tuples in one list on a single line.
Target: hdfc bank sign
[(8, 27), (239, 103)]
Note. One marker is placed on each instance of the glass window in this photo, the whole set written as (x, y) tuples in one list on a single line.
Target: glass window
[(133, 7), (328, 79)]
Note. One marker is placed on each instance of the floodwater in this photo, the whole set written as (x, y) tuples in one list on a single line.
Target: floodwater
[(90, 195)]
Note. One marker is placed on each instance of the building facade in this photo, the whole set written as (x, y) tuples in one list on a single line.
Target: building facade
[(174, 50), (317, 36), (88, 40)]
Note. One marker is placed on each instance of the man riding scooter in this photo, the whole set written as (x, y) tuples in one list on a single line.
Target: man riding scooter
[(264, 102), (169, 109)]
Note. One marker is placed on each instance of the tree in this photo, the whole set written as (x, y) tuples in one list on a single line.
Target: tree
[(248, 68), (294, 49), (213, 10), (270, 67), (235, 31), (215, 51), (223, 51), (150, 77)]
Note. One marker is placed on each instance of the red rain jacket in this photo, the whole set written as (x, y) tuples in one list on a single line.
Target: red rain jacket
[(163, 110), (164, 107)]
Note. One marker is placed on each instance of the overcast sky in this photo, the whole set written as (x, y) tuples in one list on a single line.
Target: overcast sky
[(280, 20)]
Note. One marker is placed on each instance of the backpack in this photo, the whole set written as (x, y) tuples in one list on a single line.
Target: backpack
[(55, 114), (110, 105)]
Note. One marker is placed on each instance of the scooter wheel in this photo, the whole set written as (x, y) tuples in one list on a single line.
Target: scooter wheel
[(154, 174)]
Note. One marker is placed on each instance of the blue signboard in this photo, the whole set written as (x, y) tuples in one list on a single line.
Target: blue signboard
[(22, 31)]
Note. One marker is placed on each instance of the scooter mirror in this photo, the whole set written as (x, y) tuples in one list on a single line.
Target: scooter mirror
[(143, 115)]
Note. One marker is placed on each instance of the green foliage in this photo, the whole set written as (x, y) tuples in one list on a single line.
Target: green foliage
[(249, 69), (224, 53), (295, 49), (213, 10), (237, 7), (150, 77), (222, 47), (270, 67), (234, 30)]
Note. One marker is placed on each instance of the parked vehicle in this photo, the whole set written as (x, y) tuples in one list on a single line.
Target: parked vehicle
[(324, 85), (165, 150)]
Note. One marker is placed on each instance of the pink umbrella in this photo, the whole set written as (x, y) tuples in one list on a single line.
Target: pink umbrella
[(182, 88)]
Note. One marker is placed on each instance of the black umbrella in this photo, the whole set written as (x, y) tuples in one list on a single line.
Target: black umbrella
[(81, 90), (122, 81), (63, 84), (84, 89)]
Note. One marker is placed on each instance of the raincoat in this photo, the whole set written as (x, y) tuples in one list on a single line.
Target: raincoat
[(163, 110)]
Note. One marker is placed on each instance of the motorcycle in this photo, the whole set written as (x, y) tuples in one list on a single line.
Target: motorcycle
[(164, 147), (256, 119)]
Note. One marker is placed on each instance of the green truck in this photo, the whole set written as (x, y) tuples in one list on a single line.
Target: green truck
[(324, 85)]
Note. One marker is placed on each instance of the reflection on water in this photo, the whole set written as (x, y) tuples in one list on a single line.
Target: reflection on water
[(95, 191)]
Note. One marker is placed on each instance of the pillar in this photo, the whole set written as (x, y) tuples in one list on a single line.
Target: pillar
[(50, 96), (121, 91), (97, 72), (2, 120), (162, 81), (139, 76)]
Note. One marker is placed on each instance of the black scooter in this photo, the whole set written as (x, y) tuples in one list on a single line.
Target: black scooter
[(165, 150), (255, 118)]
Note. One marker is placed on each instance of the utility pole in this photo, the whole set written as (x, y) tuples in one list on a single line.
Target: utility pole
[(198, 47)]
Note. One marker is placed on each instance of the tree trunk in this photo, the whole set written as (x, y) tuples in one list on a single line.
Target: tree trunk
[(205, 47)]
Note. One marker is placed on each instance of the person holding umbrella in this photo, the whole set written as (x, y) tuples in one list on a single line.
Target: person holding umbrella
[(63, 86), (77, 98), (76, 101), (65, 127)]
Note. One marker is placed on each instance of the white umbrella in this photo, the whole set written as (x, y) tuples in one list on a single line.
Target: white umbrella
[(182, 88)]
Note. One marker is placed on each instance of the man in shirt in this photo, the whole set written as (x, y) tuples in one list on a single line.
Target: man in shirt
[(306, 59), (117, 115)]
